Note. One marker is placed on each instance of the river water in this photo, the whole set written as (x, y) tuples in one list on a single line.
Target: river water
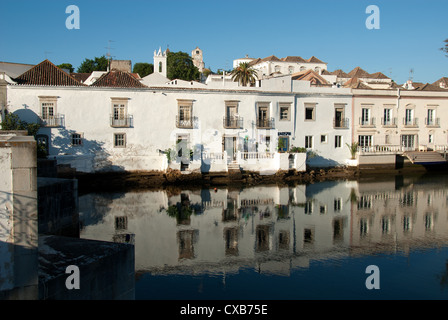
[(312, 241)]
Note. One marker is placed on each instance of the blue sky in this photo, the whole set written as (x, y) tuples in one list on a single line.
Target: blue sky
[(410, 35)]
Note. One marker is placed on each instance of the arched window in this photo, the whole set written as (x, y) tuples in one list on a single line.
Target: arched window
[(160, 66)]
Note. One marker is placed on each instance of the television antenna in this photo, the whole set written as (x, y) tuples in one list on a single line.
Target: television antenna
[(411, 74), (108, 54)]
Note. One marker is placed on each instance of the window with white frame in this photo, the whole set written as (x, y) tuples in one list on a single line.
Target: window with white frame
[(387, 119), (77, 139), (185, 114), (409, 116), (119, 140), (285, 111), (431, 119), (308, 142), (338, 141), (48, 111), (365, 116), (323, 138), (365, 140), (120, 116)]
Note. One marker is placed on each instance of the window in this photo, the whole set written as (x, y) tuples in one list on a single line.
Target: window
[(285, 112), (160, 67), (231, 118), (119, 140), (365, 116), (291, 70), (120, 116), (431, 138), (308, 142), (323, 138), (431, 119), (263, 117), (365, 141), (76, 139), (310, 111), (185, 114), (48, 111), (339, 117), (409, 117), (338, 141), (387, 119), (277, 68)]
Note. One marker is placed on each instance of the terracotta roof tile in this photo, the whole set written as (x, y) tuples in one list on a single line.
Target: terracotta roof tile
[(47, 74), (81, 77), (442, 81), (118, 79), (313, 59), (310, 75), (294, 59), (358, 73), (378, 75)]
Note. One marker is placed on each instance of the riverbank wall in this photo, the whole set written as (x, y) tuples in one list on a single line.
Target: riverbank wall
[(105, 181)]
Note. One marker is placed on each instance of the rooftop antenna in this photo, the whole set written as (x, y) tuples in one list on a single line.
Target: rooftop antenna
[(411, 74), (108, 54)]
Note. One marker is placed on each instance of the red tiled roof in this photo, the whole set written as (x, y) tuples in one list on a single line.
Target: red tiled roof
[(47, 74), (313, 59), (340, 74), (378, 75), (118, 79), (81, 77), (443, 80), (358, 73), (294, 59), (310, 75)]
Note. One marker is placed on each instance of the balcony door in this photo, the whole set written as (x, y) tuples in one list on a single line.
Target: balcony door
[(231, 116)]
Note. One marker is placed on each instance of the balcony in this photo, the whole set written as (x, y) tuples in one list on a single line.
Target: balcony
[(122, 122), (52, 121), (389, 122), (432, 122), (265, 123), (341, 123), (410, 123), (232, 122), (367, 123), (186, 123)]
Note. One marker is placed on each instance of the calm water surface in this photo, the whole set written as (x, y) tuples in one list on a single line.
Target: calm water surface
[(305, 242)]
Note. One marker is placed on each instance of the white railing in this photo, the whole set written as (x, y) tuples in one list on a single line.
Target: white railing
[(381, 149), (213, 156), (256, 155)]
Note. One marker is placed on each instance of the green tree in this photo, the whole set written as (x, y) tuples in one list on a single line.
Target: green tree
[(244, 74), (13, 122), (96, 64), (180, 66), (67, 66), (143, 68), (445, 48)]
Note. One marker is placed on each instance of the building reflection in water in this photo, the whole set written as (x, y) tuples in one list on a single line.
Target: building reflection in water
[(272, 229)]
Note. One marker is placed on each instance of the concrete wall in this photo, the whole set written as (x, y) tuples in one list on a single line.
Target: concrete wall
[(58, 207), (18, 217), (106, 270)]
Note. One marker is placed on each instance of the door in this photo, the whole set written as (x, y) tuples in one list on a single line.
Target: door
[(231, 116), (283, 144), (408, 142), (230, 148), (338, 117)]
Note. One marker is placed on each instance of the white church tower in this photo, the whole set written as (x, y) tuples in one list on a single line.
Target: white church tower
[(160, 62)]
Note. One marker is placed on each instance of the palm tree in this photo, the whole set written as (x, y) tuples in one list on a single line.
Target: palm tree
[(244, 74)]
